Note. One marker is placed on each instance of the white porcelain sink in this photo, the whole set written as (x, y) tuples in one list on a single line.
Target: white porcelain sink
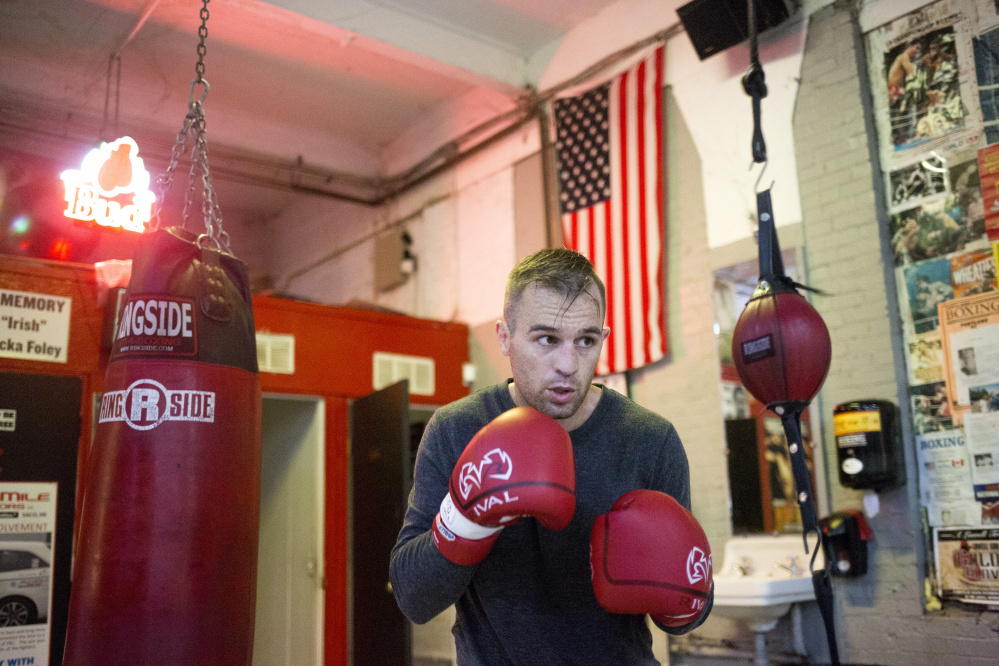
[(761, 577)]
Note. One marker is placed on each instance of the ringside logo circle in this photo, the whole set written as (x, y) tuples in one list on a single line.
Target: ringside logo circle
[(147, 403)]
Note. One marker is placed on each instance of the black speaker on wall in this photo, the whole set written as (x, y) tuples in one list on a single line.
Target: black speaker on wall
[(715, 25)]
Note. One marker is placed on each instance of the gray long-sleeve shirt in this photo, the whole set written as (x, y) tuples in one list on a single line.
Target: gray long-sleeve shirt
[(531, 600)]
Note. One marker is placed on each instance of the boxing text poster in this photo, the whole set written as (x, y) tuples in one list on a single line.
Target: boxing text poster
[(945, 479), (970, 334)]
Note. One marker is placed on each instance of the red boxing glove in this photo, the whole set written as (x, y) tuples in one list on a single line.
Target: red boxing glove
[(650, 555), (520, 464)]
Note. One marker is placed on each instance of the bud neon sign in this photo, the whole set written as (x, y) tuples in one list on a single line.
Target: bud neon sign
[(111, 187)]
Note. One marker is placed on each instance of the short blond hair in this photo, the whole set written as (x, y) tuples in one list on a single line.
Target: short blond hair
[(565, 271)]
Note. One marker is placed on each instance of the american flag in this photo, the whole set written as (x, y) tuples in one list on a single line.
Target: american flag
[(609, 144)]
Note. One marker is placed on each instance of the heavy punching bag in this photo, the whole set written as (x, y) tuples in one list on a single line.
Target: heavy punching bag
[(165, 569)]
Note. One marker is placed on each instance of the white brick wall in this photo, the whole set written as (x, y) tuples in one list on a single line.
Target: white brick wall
[(880, 618), (686, 390)]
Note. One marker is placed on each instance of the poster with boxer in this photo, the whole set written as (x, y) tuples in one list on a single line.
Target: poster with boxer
[(921, 86), (926, 363), (966, 188), (913, 183), (927, 231)]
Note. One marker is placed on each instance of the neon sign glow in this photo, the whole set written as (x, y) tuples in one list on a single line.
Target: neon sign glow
[(111, 187)]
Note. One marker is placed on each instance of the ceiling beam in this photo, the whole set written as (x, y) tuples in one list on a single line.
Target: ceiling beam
[(496, 63)]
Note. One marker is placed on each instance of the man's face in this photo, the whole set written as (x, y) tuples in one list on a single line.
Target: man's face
[(553, 350)]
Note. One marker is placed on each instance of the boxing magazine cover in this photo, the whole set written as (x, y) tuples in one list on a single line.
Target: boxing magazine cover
[(969, 331), (921, 67)]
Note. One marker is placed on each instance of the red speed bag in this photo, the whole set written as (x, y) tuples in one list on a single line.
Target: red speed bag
[(781, 346), (166, 561)]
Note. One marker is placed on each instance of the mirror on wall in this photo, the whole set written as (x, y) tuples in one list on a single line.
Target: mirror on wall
[(761, 486)]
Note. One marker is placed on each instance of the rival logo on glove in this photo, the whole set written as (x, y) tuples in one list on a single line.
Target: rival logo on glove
[(698, 565), (496, 464)]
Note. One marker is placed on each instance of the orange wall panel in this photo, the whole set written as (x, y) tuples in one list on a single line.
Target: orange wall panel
[(334, 348)]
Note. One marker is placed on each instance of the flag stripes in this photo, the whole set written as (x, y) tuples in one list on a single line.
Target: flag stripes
[(613, 205)]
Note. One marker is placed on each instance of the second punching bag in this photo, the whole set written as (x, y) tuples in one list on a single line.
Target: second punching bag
[(165, 569)]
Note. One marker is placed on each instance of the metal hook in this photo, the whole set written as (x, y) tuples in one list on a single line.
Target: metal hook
[(204, 94), (756, 187)]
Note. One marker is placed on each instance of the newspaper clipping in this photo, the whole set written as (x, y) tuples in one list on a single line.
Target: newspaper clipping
[(982, 433), (945, 479)]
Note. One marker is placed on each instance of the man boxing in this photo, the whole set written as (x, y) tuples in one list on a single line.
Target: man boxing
[(516, 484)]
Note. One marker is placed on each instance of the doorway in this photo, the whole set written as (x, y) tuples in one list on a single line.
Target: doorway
[(380, 478), (290, 597)]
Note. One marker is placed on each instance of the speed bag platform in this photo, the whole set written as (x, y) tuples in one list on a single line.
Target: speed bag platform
[(166, 562)]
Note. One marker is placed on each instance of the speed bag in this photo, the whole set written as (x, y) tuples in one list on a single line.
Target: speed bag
[(166, 562), (781, 347)]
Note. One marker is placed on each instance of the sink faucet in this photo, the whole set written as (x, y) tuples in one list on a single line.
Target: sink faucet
[(744, 565), (790, 566)]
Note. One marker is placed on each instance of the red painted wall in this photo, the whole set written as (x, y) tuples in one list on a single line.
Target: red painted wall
[(333, 359), (334, 348)]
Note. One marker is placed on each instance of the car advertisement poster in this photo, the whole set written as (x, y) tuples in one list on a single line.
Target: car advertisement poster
[(967, 562), (27, 529)]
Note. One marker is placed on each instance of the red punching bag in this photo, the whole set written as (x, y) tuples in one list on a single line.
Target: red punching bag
[(165, 569), (782, 351), (781, 346)]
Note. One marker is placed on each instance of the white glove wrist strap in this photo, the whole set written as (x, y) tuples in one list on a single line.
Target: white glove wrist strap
[(462, 526)]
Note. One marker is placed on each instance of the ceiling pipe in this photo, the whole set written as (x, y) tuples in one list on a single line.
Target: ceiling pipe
[(528, 108), (147, 11), (243, 167)]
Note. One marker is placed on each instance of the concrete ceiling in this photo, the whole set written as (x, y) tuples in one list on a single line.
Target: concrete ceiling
[(342, 86)]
